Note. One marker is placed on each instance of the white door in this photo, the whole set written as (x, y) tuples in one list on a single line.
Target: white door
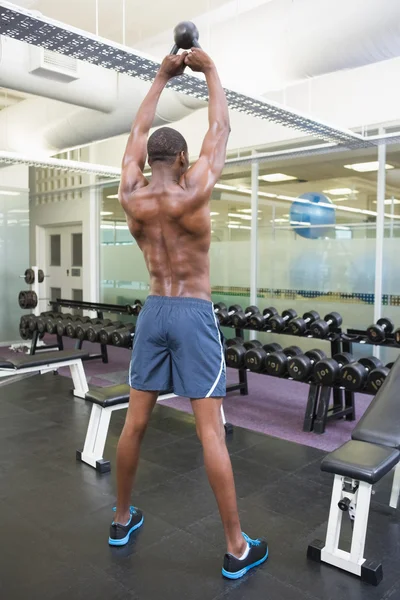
[(64, 262)]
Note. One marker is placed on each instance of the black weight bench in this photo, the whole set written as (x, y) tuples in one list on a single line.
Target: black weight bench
[(105, 400), (357, 465), (22, 364)]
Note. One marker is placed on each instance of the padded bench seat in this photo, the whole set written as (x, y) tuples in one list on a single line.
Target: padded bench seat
[(24, 361), (362, 461), (111, 395), (45, 362)]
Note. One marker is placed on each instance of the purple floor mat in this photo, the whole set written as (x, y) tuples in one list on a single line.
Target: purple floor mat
[(273, 406)]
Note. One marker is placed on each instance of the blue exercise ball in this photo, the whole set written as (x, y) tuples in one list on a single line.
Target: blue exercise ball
[(316, 210)]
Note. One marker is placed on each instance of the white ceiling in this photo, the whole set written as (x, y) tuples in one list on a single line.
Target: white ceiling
[(143, 19)]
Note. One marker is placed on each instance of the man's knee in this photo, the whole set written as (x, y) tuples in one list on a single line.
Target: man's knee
[(210, 433), (135, 426)]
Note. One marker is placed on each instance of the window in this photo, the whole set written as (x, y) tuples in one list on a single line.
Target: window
[(78, 296), (55, 293), (55, 250), (77, 250)]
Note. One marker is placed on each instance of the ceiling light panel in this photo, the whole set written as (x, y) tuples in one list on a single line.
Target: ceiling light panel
[(277, 177), (366, 167), (46, 33)]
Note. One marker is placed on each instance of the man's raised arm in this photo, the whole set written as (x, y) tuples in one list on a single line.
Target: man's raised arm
[(136, 149), (204, 174)]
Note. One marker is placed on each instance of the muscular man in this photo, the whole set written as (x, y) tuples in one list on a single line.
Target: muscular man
[(177, 342)]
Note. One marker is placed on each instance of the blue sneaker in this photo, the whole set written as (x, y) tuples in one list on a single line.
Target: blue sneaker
[(234, 568), (120, 534)]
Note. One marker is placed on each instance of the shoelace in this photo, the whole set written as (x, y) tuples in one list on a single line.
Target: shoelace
[(250, 541)]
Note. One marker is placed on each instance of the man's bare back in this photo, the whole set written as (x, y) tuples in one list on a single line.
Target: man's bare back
[(173, 232), (170, 217)]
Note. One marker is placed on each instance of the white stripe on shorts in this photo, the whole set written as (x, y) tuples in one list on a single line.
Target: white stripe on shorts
[(222, 358)]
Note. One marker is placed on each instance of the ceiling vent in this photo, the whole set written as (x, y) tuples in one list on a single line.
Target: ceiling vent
[(53, 65)]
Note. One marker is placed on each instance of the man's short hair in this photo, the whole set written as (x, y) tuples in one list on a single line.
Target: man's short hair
[(165, 144)]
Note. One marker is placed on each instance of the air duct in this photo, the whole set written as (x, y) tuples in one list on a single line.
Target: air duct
[(96, 104)]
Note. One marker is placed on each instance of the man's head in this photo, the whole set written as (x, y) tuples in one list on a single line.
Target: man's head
[(168, 146)]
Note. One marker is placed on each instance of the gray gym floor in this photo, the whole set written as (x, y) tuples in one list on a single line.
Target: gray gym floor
[(55, 512)]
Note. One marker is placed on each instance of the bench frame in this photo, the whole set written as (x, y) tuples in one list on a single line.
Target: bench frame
[(75, 365), (97, 431), (359, 493)]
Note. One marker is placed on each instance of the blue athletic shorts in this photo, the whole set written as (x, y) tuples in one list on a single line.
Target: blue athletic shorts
[(178, 345)]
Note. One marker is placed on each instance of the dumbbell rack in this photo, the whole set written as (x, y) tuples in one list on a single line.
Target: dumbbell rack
[(33, 343), (317, 411), (100, 308)]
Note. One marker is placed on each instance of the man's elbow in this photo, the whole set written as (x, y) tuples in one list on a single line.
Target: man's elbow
[(222, 126)]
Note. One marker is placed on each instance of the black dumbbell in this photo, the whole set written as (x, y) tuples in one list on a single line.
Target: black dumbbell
[(240, 318), (299, 326), (376, 378), (255, 358), (92, 332), (261, 321), (62, 324), (72, 326), (25, 333), (52, 322), (41, 321), (234, 355), (218, 307), (24, 322), (378, 332), (135, 308), (83, 328), (276, 363), (322, 327), (355, 375), (236, 341), (279, 323), (105, 333), (327, 370), (123, 337), (224, 315), (32, 323), (301, 367)]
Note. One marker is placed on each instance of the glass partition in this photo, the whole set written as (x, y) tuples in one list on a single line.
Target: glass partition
[(14, 259)]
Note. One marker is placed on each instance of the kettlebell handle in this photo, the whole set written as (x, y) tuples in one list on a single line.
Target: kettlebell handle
[(175, 48)]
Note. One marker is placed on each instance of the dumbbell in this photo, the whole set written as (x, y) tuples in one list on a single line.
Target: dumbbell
[(25, 333), (32, 323), (240, 318), (24, 322), (234, 355), (218, 307), (261, 321), (376, 378), (276, 363), (83, 328), (135, 308), (327, 370), (236, 341), (41, 321), (224, 315), (254, 359), (355, 375), (62, 324), (279, 323), (301, 367), (378, 332), (123, 337), (299, 326), (52, 322), (72, 325), (105, 333), (322, 327)]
